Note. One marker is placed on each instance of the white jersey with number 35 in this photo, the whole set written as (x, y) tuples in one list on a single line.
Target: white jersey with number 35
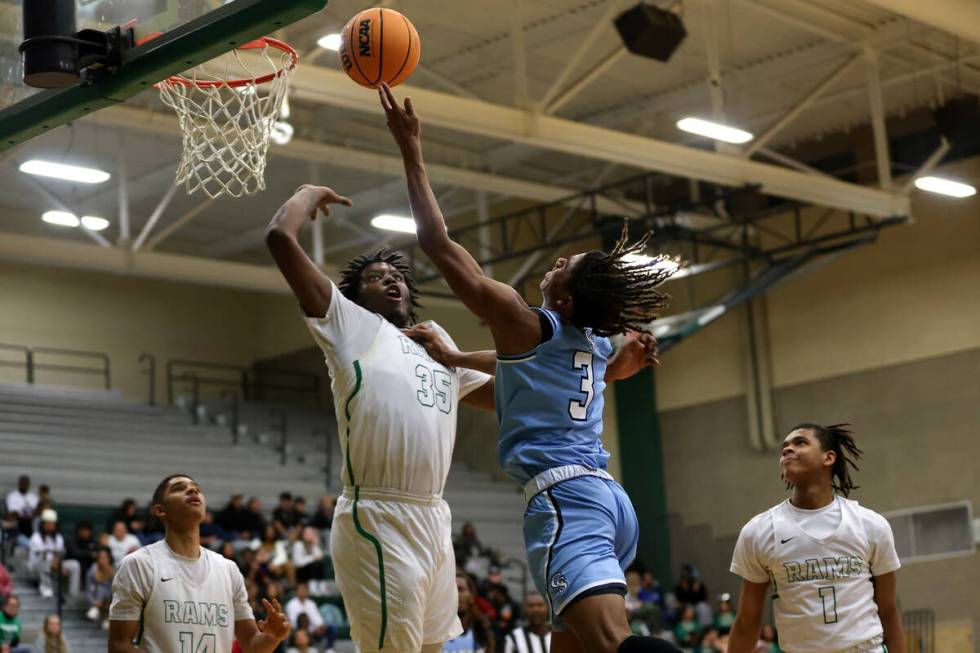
[(823, 598), (396, 407)]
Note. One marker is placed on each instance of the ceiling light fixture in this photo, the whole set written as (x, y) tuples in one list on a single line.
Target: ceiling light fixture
[(60, 218), (94, 223), (714, 130), (330, 42), (64, 171), (945, 186), (397, 223)]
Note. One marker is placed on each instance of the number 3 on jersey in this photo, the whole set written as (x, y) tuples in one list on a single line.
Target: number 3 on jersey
[(578, 409), (435, 388)]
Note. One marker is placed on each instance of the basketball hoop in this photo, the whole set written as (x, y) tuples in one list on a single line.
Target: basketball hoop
[(227, 118)]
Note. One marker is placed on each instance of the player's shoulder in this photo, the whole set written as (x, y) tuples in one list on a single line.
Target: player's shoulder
[(761, 525), (871, 520), (141, 559), (438, 328)]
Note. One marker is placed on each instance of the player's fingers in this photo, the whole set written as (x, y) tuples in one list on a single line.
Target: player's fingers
[(409, 107), (384, 99), (389, 95), (275, 602)]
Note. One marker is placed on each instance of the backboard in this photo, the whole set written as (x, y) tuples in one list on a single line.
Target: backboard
[(172, 36)]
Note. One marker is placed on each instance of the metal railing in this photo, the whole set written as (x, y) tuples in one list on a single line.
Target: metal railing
[(251, 383), (151, 372), (32, 365)]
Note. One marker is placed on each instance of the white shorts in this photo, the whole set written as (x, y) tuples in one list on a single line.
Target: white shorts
[(395, 567)]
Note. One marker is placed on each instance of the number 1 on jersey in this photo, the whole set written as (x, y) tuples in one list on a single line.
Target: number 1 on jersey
[(829, 597), (577, 408)]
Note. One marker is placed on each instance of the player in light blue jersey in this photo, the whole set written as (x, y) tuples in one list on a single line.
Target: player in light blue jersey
[(580, 530)]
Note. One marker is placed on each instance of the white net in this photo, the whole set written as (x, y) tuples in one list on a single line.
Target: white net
[(226, 125)]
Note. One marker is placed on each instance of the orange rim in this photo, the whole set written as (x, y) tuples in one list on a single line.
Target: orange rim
[(261, 42)]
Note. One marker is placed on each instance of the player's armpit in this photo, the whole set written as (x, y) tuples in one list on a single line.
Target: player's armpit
[(121, 636), (481, 397), (748, 619)]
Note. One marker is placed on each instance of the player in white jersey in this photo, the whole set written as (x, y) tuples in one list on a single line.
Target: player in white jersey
[(391, 540), (831, 562), (175, 596)]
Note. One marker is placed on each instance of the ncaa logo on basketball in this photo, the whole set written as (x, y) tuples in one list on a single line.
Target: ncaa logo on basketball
[(558, 583), (364, 38)]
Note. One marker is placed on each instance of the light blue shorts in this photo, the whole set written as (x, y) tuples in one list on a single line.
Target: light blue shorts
[(580, 536)]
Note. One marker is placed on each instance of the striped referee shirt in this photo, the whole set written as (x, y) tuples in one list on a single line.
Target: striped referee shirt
[(524, 641)]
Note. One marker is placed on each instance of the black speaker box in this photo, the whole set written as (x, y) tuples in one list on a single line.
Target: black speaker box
[(959, 120), (650, 32)]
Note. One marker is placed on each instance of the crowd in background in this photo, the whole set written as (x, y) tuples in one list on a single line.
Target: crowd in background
[(285, 556)]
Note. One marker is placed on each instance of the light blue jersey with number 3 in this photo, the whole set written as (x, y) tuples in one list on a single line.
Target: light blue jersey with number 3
[(549, 402)]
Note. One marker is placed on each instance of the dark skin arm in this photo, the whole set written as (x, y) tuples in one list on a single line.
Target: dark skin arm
[(891, 618), (748, 620), (121, 636), (311, 287), (633, 355), (481, 397), (514, 326)]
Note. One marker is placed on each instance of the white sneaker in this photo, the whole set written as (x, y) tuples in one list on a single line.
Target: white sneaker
[(92, 614), (47, 592)]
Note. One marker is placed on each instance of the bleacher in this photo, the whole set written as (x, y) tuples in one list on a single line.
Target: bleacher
[(94, 448)]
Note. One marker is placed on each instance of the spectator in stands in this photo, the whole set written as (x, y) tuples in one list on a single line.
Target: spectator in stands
[(47, 558), (299, 511), (128, 513), (121, 542), (691, 591), (284, 516), (725, 617), (234, 518), (10, 627), (302, 643), (323, 517), (99, 582), (468, 545), (710, 641), (769, 640), (21, 505), (51, 639), (44, 502), (212, 535), (83, 546), (688, 630), (273, 557), (477, 635), (227, 550), (255, 520), (650, 591), (6, 584), (302, 604), (535, 635), (308, 556), (505, 608)]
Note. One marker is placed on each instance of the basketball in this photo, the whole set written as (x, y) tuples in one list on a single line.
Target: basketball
[(379, 45)]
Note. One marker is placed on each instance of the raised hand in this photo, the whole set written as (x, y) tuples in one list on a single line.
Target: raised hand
[(275, 625), (403, 124), (636, 352), (320, 198)]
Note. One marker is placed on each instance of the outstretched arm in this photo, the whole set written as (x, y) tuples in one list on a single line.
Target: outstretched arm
[(515, 327), (635, 353), (311, 287)]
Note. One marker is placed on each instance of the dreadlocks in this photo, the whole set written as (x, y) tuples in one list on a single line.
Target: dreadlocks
[(839, 439), (350, 277), (617, 292)]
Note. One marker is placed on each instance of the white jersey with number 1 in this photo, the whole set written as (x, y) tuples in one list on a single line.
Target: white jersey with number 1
[(823, 597)]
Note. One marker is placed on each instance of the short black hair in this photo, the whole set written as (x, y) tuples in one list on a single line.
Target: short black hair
[(350, 277), (162, 488), (614, 293), (285, 496), (839, 439)]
